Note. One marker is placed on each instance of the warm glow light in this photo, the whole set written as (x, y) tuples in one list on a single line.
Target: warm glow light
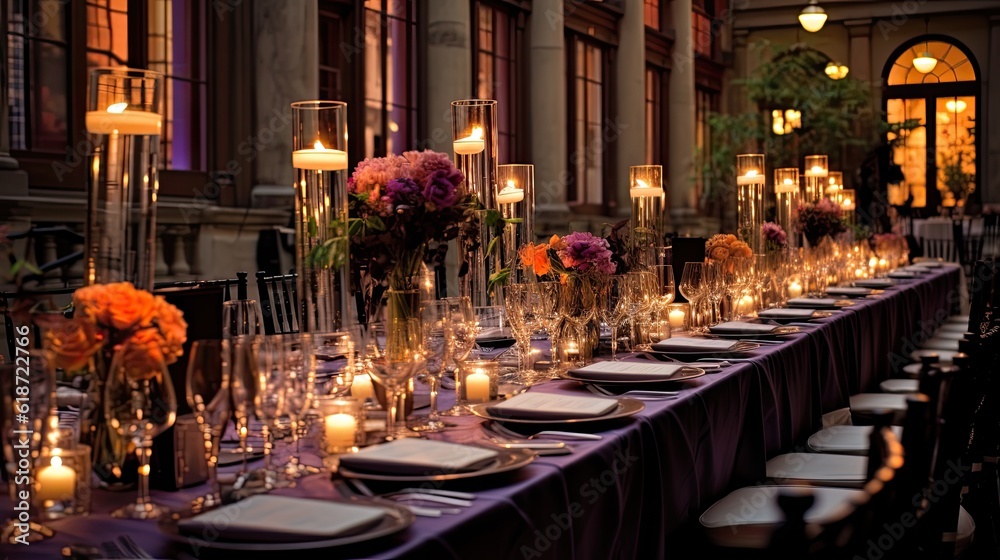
[(117, 107), (477, 133), (788, 181), (812, 17), (956, 105), (836, 71), (640, 184), (512, 185), (924, 63), (751, 173), (318, 145)]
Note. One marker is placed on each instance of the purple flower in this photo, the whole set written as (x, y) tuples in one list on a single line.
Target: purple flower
[(424, 164), (586, 252), (402, 192), (441, 188), (773, 234)]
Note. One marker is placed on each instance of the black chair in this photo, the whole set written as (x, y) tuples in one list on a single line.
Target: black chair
[(227, 285), (991, 234), (278, 303), (64, 237)]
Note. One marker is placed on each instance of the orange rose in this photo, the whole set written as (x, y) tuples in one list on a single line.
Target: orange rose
[(130, 308), (172, 328), (70, 343), (718, 253), (94, 302), (536, 257), (142, 355), (556, 243), (741, 250)]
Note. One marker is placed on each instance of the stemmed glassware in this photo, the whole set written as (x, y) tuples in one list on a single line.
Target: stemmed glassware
[(578, 302), (437, 337), (522, 303), (207, 390), (299, 388), (139, 403), (550, 318), (642, 294), (243, 389), (241, 317), (400, 357), (716, 290), (270, 398), (614, 309), (694, 287)]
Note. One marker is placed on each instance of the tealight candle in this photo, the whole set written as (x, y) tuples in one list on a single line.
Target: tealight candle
[(319, 158), (471, 144), (341, 430), (872, 262), (859, 273), (795, 289), (55, 482), (816, 171), (643, 189), (362, 388), (510, 194), (572, 351), (117, 119), (746, 305), (676, 318), (477, 386), (751, 177)]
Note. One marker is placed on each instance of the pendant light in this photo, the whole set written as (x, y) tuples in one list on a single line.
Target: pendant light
[(925, 63), (812, 17)]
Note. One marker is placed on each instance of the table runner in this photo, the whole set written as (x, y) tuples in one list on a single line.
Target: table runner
[(638, 492)]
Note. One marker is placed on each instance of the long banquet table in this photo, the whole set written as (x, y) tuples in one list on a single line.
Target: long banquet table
[(636, 493)]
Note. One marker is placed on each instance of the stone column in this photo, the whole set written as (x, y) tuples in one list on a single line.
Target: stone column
[(682, 142), (14, 180), (287, 58), (990, 183), (631, 100), (449, 78), (548, 110)]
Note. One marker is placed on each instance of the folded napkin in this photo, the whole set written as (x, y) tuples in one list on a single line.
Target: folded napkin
[(696, 345), (418, 457), (848, 291), (547, 406), (739, 327), (812, 302), (902, 274), (625, 371), (787, 313), (877, 283), (267, 518)]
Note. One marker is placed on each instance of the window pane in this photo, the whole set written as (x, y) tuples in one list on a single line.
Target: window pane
[(651, 13), (49, 100), (910, 153), (374, 142), (49, 21), (107, 32), (955, 148), (18, 87)]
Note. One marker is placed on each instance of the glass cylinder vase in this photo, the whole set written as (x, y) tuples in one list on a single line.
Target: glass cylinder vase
[(123, 119), (474, 137), (848, 203), (750, 199), (516, 200), (787, 200), (816, 174), (319, 156), (645, 224)]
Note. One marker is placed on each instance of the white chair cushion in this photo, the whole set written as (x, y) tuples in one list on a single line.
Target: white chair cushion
[(966, 530), (904, 386), (867, 402), (747, 517), (846, 440), (944, 356), (937, 343), (821, 469)]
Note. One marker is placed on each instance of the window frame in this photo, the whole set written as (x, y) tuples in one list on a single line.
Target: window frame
[(573, 198)]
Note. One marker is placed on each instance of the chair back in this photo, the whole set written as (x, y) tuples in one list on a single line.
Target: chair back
[(278, 303), (991, 234), (939, 248)]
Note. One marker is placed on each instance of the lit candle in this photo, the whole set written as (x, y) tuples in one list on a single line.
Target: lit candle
[(751, 177), (471, 144), (859, 273), (319, 158), (795, 289), (510, 194), (816, 171), (848, 204), (341, 430), (361, 388), (676, 318), (746, 304), (872, 262), (572, 351), (642, 189), (477, 386), (55, 482), (116, 119)]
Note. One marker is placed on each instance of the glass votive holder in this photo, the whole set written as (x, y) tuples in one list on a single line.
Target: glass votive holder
[(343, 424), (677, 316), (477, 381), (62, 482)]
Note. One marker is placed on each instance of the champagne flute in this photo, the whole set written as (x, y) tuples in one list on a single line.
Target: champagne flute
[(614, 307), (465, 327), (243, 390), (207, 390), (437, 334), (521, 306), (270, 397), (693, 287), (550, 319)]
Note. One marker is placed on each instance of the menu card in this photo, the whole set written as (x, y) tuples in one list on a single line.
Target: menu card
[(418, 457), (787, 313), (739, 327), (268, 518), (548, 406), (695, 345), (623, 371)]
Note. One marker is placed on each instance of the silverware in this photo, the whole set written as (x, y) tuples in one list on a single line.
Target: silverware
[(546, 434), (436, 492), (639, 394), (363, 489)]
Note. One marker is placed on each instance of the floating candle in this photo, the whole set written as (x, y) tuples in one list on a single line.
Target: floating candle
[(117, 119), (319, 158), (471, 144), (510, 194)]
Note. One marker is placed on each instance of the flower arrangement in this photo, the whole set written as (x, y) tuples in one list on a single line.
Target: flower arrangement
[(579, 254), (887, 243), (108, 316), (816, 220), (725, 246), (774, 236)]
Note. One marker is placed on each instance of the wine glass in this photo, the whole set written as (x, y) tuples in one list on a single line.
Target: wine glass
[(615, 306), (139, 403), (693, 287), (400, 358), (335, 356), (243, 388), (207, 390), (241, 317), (273, 367), (298, 384), (522, 304), (437, 334), (466, 323), (716, 287), (550, 319)]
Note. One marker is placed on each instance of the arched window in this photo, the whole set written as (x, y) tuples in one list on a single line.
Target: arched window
[(933, 80)]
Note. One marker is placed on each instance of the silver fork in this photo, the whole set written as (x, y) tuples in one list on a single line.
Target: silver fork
[(504, 430), (364, 490), (638, 393)]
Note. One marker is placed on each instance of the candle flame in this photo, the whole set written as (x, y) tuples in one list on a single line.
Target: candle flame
[(56, 461), (847, 202), (510, 184), (639, 183), (817, 169), (318, 145), (477, 133), (751, 173), (117, 108), (788, 181)]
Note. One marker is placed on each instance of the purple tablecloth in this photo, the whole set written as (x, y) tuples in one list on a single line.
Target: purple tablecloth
[(636, 492)]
